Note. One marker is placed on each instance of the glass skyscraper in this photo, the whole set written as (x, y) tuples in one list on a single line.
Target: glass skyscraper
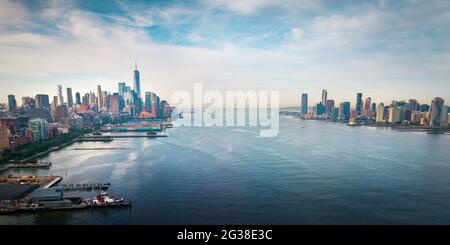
[(137, 81), (304, 104)]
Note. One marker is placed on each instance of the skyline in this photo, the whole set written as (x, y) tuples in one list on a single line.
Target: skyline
[(374, 47)]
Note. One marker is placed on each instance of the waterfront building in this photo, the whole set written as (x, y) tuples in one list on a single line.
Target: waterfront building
[(40, 129), (42, 101), (359, 104), (344, 111), (137, 81), (304, 104), (324, 97), (334, 114), (394, 114), (60, 95), (367, 104), (320, 109), (380, 113), (69, 97), (373, 110), (416, 116), (12, 103), (413, 105), (77, 98), (4, 138), (436, 111), (329, 106), (99, 98), (444, 119)]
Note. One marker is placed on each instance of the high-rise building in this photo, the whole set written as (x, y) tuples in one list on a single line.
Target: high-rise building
[(304, 104), (121, 88), (40, 129), (324, 97), (380, 113), (99, 98), (373, 109), (359, 104), (344, 111), (4, 138), (28, 103), (329, 106), (54, 102), (77, 98), (42, 101), (413, 105), (394, 114), (436, 111), (320, 109), (12, 103), (444, 119), (114, 104), (334, 114), (60, 95), (424, 108), (137, 81), (69, 98), (367, 110)]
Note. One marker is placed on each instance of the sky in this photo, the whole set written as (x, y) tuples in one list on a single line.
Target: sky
[(385, 49)]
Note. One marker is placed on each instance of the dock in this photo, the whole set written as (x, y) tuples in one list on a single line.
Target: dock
[(85, 187), (125, 136), (25, 165)]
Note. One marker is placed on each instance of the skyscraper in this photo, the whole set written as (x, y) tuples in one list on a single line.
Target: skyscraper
[(69, 98), (324, 97), (373, 109), (329, 106), (114, 103), (121, 88), (304, 104), (359, 104), (436, 112), (60, 95), (344, 111), (12, 103), (380, 113), (42, 101), (148, 102), (137, 81), (367, 105), (394, 114), (99, 98), (77, 98)]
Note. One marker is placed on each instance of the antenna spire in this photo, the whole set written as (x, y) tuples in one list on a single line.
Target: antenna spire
[(135, 64)]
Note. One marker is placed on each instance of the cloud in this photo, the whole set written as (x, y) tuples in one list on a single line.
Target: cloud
[(249, 7)]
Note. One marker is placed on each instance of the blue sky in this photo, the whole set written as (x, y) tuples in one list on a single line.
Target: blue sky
[(385, 49)]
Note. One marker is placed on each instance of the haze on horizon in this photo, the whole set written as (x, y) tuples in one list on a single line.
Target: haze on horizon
[(385, 49)]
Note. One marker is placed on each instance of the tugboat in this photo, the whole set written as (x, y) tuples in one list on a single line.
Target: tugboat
[(103, 199)]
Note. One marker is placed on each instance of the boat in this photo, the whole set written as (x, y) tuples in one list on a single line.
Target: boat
[(104, 199), (151, 133)]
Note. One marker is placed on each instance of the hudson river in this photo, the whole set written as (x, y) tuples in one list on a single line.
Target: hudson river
[(322, 173)]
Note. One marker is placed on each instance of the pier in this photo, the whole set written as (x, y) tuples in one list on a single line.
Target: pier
[(85, 187), (25, 165), (124, 136)]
